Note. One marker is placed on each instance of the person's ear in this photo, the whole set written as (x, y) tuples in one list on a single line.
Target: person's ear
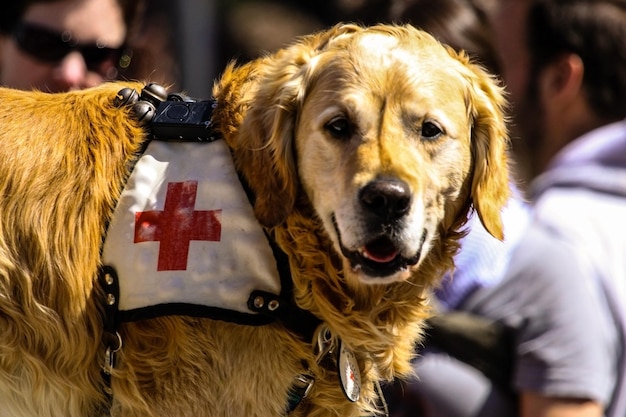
[(562, 80)]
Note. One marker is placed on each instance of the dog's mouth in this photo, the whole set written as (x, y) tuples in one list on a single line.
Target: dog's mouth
[(380, 257)]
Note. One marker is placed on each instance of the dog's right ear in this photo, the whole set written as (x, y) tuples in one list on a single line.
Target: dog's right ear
[(265, 144), (490, 145)]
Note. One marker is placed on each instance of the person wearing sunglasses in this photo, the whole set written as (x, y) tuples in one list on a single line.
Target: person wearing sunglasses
[(62, 45)]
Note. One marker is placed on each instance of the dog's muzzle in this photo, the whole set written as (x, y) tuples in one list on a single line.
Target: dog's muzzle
[(385, 202)]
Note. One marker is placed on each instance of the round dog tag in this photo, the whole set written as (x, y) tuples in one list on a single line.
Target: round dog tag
[(349, 373)]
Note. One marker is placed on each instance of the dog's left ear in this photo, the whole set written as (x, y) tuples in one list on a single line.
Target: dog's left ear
[(263, 153), (268, 130), (490, 143)]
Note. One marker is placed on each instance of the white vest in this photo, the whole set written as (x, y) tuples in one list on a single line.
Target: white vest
[(184, 234)]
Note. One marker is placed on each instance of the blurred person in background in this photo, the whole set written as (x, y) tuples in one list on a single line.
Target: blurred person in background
[(63, 45), (563, 297), (564, 63)]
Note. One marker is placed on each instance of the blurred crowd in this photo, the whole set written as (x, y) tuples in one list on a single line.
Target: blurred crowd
[(533, 326)]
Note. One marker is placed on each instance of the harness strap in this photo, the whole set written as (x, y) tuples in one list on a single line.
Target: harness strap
[(284, 310), (109, 283)]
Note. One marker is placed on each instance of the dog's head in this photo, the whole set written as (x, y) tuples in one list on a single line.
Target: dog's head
[(391, 136)]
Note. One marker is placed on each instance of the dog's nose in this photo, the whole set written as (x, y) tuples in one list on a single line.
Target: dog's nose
[(386, 198)]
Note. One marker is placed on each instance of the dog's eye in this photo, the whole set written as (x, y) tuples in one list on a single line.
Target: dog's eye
[(430, 130), (339, 127)]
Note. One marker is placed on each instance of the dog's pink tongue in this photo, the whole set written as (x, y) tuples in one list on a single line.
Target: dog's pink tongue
[(380, 259), (380, 252)]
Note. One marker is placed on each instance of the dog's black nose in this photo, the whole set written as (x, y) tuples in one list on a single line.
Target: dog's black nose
[(386, 198)]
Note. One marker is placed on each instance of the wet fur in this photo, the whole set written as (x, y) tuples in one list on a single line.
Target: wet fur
[(63, 160)]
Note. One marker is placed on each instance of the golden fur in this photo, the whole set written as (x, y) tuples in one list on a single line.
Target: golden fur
[(309, 127)]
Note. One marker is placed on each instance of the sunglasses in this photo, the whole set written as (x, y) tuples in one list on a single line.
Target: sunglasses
[(51, 46)]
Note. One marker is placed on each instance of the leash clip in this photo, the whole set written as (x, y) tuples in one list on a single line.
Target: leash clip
[(109, 356), (325, 344)]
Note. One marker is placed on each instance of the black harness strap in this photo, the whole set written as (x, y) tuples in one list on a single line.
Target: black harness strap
[(283, 308), (107, 278)]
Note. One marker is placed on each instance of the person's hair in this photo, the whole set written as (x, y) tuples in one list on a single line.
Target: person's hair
[(457, 23), (595, 30), (13, 12)]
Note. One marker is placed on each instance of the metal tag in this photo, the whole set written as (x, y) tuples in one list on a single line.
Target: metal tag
[(349, 373)]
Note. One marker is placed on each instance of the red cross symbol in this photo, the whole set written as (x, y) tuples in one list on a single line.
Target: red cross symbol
[(177, 225)]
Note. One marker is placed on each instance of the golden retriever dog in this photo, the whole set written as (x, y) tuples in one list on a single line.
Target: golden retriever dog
[(362, 150)]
